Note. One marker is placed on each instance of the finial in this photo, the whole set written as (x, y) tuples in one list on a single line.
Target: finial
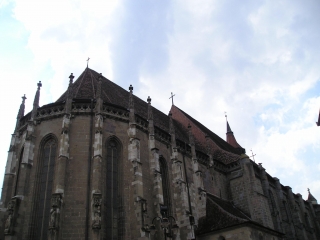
[(149, 100), (172, 95), (225, 114), (71, 77), (23, 98), (130, 88), (88, 62), (39, 84), (308, 190)]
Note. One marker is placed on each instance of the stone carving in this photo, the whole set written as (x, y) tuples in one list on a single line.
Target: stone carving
[(144, 214), (96, 211), (54, 212), (11, 209)]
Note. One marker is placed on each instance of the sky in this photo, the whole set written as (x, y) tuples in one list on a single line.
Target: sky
[(257, 60)]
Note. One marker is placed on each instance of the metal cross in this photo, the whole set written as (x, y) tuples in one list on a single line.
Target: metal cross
[(172, 95), (252, 155), (88, 61)]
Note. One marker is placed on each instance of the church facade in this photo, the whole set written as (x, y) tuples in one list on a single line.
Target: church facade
[(100, 163)]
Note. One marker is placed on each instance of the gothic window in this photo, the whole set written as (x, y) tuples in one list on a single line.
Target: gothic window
[(286, 215), (273, 203), (307, 220), (18, 172), (112, 201), (45, 182), (165, 184)]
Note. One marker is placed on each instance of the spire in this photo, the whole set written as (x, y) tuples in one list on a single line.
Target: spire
[(36, 101), (70, 92), (99, 101), (37, 96), (231, 138), (131, 105), (69, 95), (21, 111), (172, 131), (318, 123), (228, 128), (311, 198), (22, 106), (150, 117), (98, 93), (150, 114)]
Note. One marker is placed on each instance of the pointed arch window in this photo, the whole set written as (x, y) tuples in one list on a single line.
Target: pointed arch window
[(112, 200), (45, 183), (165, 184), (273, 204), (18, 173)]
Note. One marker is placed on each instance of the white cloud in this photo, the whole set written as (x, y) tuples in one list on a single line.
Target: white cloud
[(256, 60)]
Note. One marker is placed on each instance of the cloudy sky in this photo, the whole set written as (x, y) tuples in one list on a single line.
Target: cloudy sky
[(257, 60)]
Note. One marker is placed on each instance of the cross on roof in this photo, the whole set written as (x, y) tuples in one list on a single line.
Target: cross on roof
[(172, 95), (253, 155)]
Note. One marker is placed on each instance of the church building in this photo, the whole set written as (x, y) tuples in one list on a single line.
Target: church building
[(101, 163)]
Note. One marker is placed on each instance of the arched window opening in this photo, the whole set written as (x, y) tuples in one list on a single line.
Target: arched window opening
[(112, 200), (18, 172), (45, 182), (273, 204), (307, 220), (165, 184), (286, 215)]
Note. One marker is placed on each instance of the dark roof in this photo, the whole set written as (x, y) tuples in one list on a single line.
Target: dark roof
[(85, 88), (220, 214), (219, 141)]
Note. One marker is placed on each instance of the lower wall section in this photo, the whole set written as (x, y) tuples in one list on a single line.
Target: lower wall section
[(241, 233)]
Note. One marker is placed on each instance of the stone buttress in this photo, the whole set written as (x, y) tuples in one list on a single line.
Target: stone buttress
[(12, 159), (140, 203), (266, 192), (199, 194), (155, 172), (23, 169), (287, 224), (96, 193), (61, 165), (185, 219), (247, 194)]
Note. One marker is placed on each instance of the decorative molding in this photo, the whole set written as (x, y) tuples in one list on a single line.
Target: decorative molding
[(96, 211), (56, 200), (12, 211)]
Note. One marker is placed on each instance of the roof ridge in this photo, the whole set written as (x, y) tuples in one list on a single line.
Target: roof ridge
[(83, 75), (94, 92), (221, 143)]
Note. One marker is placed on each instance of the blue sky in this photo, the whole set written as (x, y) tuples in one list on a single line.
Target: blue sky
[(257, 60)]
